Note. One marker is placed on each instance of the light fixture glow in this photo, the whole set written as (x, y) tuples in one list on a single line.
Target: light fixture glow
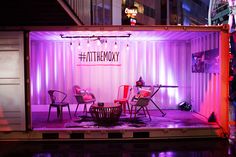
[(95, 36), (105, 44), (70, 42), (88, 43)]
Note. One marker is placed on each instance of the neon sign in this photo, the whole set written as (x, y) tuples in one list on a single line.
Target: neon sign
[(131, 13)]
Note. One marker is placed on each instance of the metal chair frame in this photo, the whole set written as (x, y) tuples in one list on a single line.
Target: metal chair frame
[(58, 104)]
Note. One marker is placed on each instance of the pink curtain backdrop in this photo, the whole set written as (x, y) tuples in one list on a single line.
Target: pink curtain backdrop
[(54, 66)]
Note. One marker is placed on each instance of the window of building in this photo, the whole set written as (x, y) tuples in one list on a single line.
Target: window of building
[(163, 12), (199, 2), (149, 11), (101, 12)]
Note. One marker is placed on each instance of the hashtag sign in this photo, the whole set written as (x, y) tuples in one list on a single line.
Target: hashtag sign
[(82, 56)]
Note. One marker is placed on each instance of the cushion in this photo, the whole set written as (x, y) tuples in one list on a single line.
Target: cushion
[(87, 97), (143, 93), (121, 101), (80, 91)]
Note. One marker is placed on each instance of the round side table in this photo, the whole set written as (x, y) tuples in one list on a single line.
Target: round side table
[(108, 114)]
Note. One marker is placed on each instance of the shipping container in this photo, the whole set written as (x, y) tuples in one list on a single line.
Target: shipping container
[(186, 66)]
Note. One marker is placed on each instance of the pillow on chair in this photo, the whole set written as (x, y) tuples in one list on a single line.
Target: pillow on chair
[(87, 96), (79, 90), (143, 93)]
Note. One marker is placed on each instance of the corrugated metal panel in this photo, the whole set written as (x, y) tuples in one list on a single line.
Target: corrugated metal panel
[(205, 86), (12, 97), (135, 35)]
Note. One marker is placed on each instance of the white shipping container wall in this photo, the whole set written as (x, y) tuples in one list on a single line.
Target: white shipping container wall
[(12, 94), (205, 85), (54, 66)]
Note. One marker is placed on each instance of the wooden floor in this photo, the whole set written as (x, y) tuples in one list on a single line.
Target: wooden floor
[(175, 124), (172, 119)]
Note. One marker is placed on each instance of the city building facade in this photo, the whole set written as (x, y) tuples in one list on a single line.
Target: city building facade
[(219, 12), (167, 12), (97, 12)]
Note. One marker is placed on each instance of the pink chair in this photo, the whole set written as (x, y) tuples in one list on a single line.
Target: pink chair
[(123, 96), (83, 97)]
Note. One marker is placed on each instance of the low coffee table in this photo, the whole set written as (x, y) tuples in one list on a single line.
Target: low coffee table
[(107, 114)]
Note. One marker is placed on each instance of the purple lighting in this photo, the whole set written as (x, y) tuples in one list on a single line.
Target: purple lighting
[(47, 71), (166, 154), (153, 60), (161, 55), (162, 76), (38, 82), (153, 72), (55, 67)]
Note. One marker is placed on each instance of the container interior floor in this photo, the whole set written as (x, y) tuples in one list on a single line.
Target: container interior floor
[(174, 119)]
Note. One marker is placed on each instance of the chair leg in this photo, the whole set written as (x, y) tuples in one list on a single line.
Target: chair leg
[(131, 112), (61, 113), (144, 112), (69, 111), (135, 111), (58, 112), (85, 109), (128, 106), (148, 112), (76, 110), (49, 112)]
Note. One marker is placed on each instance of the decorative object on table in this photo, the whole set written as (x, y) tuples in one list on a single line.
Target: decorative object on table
[(83, 97), (140, 82), (123, 96), (57, 100), (100, 103)]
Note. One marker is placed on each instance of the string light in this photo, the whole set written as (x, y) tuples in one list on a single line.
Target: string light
[(99, 43), (88, 43), (95, 36), (106, 44), (70, 42), (127, 46)]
